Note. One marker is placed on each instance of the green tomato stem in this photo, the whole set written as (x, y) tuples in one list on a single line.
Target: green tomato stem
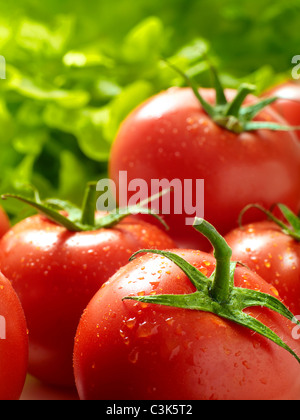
[(217, 294), (292, 230), (234, 107), (89, 205), (222, 285), (85, 219), (233, 116)]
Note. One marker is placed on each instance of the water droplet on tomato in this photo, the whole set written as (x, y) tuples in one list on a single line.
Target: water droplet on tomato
[(267, 264), (170, 321), (126, 341), (146, 329), (134, 356), (256, 344), (245, 363), (130, 323)]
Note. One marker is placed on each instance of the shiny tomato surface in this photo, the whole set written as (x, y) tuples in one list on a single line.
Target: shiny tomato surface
[(288, 104), (56, 272), (171, 137), (4, 223), (275, 256), (13, 343), (128, 350)]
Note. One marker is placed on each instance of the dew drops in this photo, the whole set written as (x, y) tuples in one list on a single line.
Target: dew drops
[(130, 323), (227, 351), (256, 345), (134, 356), (267, 264), (178, 330), (174, 352), (126, 341), (170, 321), (146, 329), (245, 363), (264, 381)]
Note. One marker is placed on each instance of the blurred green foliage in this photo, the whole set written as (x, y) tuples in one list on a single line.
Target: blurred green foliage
[(75, 69)]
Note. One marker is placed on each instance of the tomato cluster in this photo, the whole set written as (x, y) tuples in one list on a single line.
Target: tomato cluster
[(178, 321)]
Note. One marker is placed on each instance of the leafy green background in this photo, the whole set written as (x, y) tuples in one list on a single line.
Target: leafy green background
[(75, 69)]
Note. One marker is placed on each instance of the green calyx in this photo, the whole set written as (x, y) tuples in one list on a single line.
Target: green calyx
[(291, 229), (86, 218), (232, 115), (217, 294)]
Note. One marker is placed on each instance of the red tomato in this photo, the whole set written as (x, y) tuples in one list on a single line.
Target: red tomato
[(289, 103), (171, 136), (56, 272), (4, 223), (13, 343), (272, 254), (127, 350)]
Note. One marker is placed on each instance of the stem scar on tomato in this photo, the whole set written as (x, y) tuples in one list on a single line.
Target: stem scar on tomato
[(217, 294)]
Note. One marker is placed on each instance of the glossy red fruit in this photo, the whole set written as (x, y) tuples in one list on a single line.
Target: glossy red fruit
[(171, 136), (13, 343), (138, 350), (56, 272), (272, 254), (288, 104), (4, 223)]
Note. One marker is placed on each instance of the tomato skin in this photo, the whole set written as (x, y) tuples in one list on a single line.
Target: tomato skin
[(4, 223), (14, 348), (170, 136), (135, 351), (56, 272), (272, 254), (289, 103)]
